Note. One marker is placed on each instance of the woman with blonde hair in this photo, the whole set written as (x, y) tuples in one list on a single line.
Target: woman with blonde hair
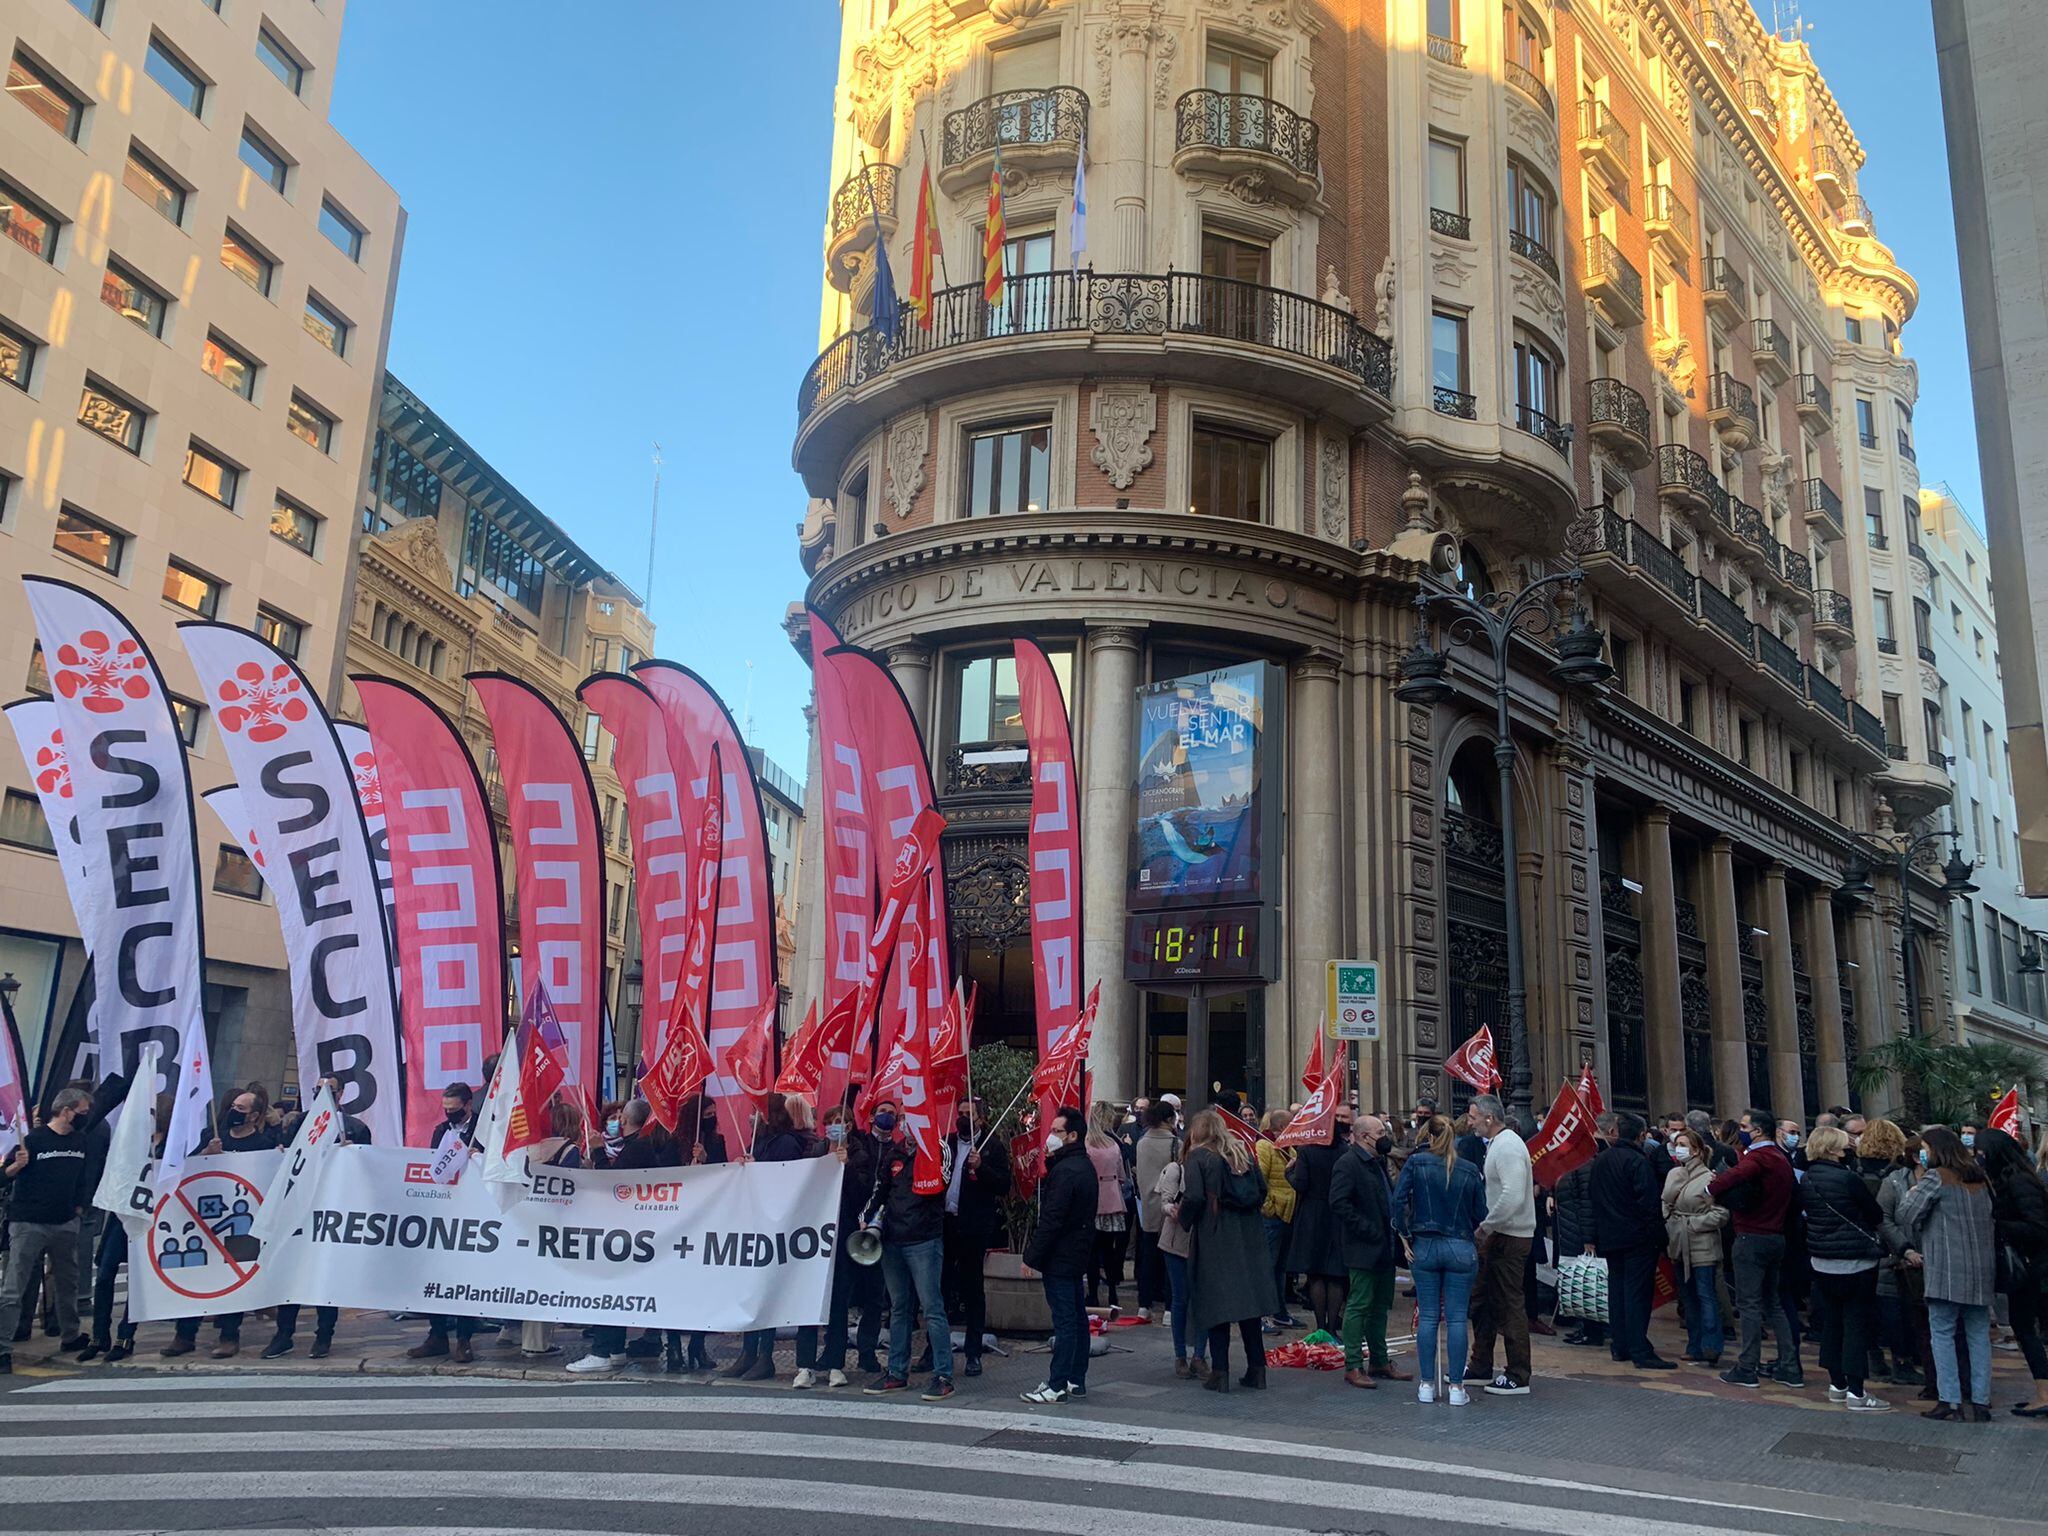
[(1229, 1280), (1844, 1245), (1438, 1205), (1277, 1214), (1693, 1223), (1112, 1219), (1883, 1160)]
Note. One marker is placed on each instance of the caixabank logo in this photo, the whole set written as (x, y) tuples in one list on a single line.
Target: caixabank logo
[(650, 1197), (420, 1185)]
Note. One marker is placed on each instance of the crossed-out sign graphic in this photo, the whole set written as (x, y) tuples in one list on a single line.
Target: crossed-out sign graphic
[(199, 1242)]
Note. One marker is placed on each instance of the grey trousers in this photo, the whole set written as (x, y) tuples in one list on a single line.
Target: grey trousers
[(28, 1241)]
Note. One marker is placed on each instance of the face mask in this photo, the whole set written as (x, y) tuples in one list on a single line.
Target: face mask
[(1744, 1137), (1681, 1149), (1923, 1157), (1384, 1145), (1791, 1140), (1650, 1142), (1969, 1138), (885, 1122), (963, 1127), (1054, 1142), (836, 1132), (611, 1126)]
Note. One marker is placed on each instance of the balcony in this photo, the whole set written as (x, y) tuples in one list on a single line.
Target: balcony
[(1755, 543), (1611, 282), (1715, 32), (1630, 544), (1452, 226), (1723, 289), (1618, 419), (866, 199), (1853, 218), (1731, 411), (1532, 250), (1226, 134), (1667, 220), (1906, 448), (1887, 645), (1722, 612), (1925, 652), (1530, 84), (1834, 618), (1445, 51), (1779, 658), (1815, 404), (1537, 424), (1756, 101), (1798, 569), (1178, 326), (1454, 402), (1603, 141), (1036, 130), (1830, 175), (1771, 349), (1824, 507), (1827, 696), (1683, 478), (1718, 515), (1867, 728)]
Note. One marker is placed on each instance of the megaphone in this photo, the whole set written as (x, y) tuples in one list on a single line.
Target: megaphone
[(865, 1246)]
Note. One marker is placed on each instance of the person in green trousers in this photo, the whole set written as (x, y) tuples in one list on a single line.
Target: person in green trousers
[(1361, 1194)]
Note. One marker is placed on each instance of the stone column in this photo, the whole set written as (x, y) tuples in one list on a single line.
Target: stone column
[(910, 662), (1314, 896), (1663, 1022), (1866, 985), (1110, 681), (1718, 924), (1825, 968), (1788, 1091), (1117, 139)]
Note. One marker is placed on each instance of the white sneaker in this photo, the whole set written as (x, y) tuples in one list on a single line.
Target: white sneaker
[(1044, 1393), (1838, 1394), (1868, 1404), (591, 1364), (836, 1379), (1459, 1397), (805, 1379), (1425, 1392)]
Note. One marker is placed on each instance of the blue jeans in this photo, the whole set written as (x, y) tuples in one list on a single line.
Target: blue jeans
[(1276, 1255), (1444, 1269), (1064, 1297), (1177, 1283), (1943, 1319), (1703, 1336), (912, 1271)]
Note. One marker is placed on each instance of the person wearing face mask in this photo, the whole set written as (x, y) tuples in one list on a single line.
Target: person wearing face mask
[(240, 1125), (1571, 1208), (1149, 1158), (1967, 1134), (1361, 1207), (1693, 1223), (1315, 1250), (46, 1177), (354, 1133), (1759, 1192), (1952, 1236), (913, 1254), (853, 1285), (458, 1112), (974, 1215), (1061, 1248), (1795, 1280)]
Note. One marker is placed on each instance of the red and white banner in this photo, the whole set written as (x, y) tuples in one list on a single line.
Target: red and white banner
[(449, 909), (1588, 1089), (361, 753), (803, 1065), (2005, 1114), (1473, 1061), (41, 737), (743, 964), (851, 882), (1566, 1140), (1313, 1122), (1059, 1078), (14, 1086), (850, 1017), (655, 816), (686, 1061), (552, 809), (299, 798), (139, 905), (1053, 847)]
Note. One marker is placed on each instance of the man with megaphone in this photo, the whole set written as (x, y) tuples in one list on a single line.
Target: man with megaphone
[(912, 1230)]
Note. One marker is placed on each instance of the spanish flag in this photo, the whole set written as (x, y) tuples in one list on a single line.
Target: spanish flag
[(992, 238), (925, 252)]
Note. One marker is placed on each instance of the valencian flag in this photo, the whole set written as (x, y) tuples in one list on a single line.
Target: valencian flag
[(925, 252), (1566, 1140), (1473, 1061), (994, 236)]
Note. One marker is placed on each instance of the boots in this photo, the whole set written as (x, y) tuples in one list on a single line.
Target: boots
[(672, 1357), (1218, 1380), (1255, 1376)]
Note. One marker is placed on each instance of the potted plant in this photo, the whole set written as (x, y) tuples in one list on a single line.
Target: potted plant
[(1016, 1301)]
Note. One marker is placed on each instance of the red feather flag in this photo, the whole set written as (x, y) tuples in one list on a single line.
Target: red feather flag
[(1566, 1140), (1312, 1074), (2005, 1114)]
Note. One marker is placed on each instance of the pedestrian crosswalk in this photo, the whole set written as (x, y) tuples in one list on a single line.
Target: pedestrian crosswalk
[(392, 1455)]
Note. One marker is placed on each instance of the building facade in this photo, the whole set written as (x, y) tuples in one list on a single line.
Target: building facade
[(1377, 298), (1992, 56), (194, 299), (782, 813)]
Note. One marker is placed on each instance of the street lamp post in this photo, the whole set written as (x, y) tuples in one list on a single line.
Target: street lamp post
[(1900, 851), (1497, 618)]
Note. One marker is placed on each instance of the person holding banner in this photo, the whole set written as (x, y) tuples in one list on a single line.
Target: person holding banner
[(776, 1140), (241, 1124), (1229, 1278), (353, 1134), (853, 1285), (913, 1255), (46, 1176), (458, 1124)]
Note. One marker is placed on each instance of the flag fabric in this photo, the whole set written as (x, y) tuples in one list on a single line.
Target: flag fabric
[(1077, 231), (125, 1184), (1060, 1071), (1053, 849), (14, 1085), (848, 857), (361, 754), (1312, 1074), (1238, 1126), (687, 1057), (296, 1185), (40, 734), (494, 1124), (886, 308), (749, 1062), (993, 236), (1566, 1140), (2005, 1114), (802, 1064), (1473, 1061), (1589, 1090), (1314, 1122), (946, 1055), (925, 251), (898, 921), (1027, 1163), (543, 1069), (190, 1099)]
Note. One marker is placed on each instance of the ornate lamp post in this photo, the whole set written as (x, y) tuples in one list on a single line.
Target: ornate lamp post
[(1900, 851), (1496, 618)]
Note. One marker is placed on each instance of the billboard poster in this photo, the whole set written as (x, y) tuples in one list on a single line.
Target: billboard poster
[(1208, 782)]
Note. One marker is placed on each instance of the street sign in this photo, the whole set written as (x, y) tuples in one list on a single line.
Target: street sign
[(1354, 999)]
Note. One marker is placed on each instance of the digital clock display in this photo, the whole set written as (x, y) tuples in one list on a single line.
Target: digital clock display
[(1219, 943)]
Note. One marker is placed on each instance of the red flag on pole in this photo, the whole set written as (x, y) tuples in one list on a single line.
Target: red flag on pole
[(2005, 1114), (1312, 1123), (1312, 1074), (543, 1069), (802, 1066), (1473, 1061), (1566, 1140), (685, 1060), (1239, 1127), (1027, 1163), (749, 1062), (1588, 1089)]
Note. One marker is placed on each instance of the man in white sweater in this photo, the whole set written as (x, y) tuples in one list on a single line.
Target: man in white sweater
[(1504, 1238)]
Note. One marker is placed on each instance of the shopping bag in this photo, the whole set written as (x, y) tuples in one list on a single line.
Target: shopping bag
[(1582, 1287)]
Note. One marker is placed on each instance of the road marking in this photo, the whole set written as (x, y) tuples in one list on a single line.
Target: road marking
[(248, 1380)]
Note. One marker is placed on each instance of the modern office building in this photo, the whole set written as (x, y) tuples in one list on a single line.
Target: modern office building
[(1378, 297), (194, 297)]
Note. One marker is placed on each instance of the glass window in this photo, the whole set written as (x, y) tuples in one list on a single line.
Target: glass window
[(343, 232), (28, 225), (1852, 327), (211, 475), (1881, 608), (326, 327), (260, 156), (1866, 422), (1535, 376), (593, 736), (1230, 474), (1443, 19), (1447, 351), (116, 419), (89, 539), (188, 589), (309, 424), (987, 708), (1008, 469), (37, 89), (17, 357), (238, 253), (1236, 72), (1873, 518), (23, 824), (286, 634), (1032, 66), (493, 556), (154, 185), (1027, 290), (410, 486), (229, 364), (1244, 261), (93, 11), (1529, 205), (188, 715), (175, 76), (38, 672), (279, 60), (133, 299), (234, 875), (1446, 175), (295, 525)]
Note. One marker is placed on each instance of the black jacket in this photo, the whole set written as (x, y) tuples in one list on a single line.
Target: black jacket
[(1843, 1219), (1359, 1200), (982, 1189), (641, 1151), (1065, 1235), (1312, 1245), (907, 1216), (790, 1146), (1627, 1201), (1574, 1196), (858, 1186)]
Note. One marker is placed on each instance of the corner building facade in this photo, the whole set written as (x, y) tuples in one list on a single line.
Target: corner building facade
[(1377, 297)]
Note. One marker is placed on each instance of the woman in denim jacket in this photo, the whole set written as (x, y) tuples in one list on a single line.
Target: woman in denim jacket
[(1438, 1203)]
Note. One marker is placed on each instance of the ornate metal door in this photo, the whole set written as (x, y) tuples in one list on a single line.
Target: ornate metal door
[(1695, 1009), (1809, 1033), (1623, 933), (1756, 1025), (1477, 954)]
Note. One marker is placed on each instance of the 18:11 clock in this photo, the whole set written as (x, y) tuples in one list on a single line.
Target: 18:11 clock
[(1213, 943)]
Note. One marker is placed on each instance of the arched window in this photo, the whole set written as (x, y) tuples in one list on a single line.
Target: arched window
[(1473, 788)]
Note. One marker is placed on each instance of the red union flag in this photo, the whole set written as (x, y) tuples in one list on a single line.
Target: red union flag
[(1473, 1061), (2005, 1114), (749, 1062), (1053, 847), (1588, 1089), (1312, 1074), (687, 1058), (898, 935), (848, 854), (802, 1064), (1246, 1133), (1314, 1121), (1566, 1140)]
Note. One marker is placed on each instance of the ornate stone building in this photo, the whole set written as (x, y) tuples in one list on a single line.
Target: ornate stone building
[(1377, 296)]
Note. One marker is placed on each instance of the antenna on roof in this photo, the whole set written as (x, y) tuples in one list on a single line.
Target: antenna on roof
[(747, 709), (653, 523), (1786, 24)]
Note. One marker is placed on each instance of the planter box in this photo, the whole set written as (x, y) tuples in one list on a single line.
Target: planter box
[(1016, 1301)]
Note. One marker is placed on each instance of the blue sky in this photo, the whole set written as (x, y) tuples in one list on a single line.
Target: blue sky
[(615, 239)]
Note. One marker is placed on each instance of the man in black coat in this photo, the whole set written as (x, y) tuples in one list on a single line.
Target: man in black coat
[(1059, 1250), (1361, 1196), (354, 1133), (974, 1215), (1628, 1232)]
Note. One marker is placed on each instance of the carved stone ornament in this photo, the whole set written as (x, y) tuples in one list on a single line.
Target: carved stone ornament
[(1333, 494), (1533, 130), (1123, 418), (909, 441), (1252, 189), (419, 545), (1162, 67), (1541, 296), (1105, 45), (1449, 267), (872, 97), (1014, 13), (1383, 300), (1333, 293), (1677, 99), (1674, 358)]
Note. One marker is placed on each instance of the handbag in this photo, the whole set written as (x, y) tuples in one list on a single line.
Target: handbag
[(1582, 1287)]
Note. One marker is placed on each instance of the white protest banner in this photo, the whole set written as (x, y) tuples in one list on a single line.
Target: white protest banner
[(126, 1186), (721, 1248), (297, 1185)]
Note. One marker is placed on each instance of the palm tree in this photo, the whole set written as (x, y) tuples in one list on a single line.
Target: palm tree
[(1945, 1084)]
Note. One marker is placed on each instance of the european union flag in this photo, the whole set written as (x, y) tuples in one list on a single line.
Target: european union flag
[(888, 309)]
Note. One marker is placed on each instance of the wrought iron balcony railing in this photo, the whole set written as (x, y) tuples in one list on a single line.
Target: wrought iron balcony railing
[(1756, 101), (1445, 51), (1530, 84), (1455, 402), (1682, 472), (1815, 400), (1725, 614), (1663, 211), (1227, 120), (1720, 282), (1834, 608), (1549, 428), (1058, 115), (1529, 248), (1906, 448), (1798, 569), (1614, 404), (1854, 219), (869, 191), (1600, 132), (1608, 270), (1828, 165), (1769, 343), (1780, 658), (1823, 690), (1822, 500), (1869, 729), (1455, 226), (1734, 401)]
